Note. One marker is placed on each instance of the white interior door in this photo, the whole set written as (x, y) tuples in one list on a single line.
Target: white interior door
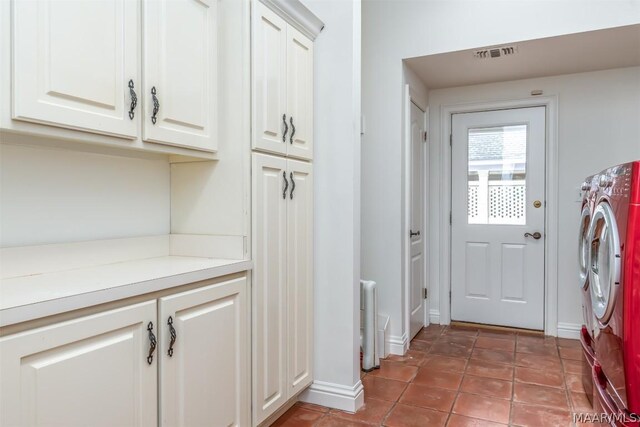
[(269, 52), (269, 199), (299, 94), (73, 61), (204, 373), (300, 275), (180, 73), (498, 214), (90, 371), (417, 301)]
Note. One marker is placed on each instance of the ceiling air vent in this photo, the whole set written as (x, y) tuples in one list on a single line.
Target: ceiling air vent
[(495, 52)]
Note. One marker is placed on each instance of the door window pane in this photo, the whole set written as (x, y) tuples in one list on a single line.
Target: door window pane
[(497, 186)]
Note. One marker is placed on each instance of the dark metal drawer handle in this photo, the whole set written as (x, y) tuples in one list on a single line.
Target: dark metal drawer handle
[(293, 185), (286, 184), (286, 128), (156, 105), (152, 343), (134, 100), (293, 130), (172, 331)]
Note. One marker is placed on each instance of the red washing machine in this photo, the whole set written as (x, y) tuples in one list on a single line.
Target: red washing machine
[(589, 192), (614, 283)]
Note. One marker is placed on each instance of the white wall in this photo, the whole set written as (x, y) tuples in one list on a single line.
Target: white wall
[(393, 30), (50, 195), (337, 206), (598, 127)]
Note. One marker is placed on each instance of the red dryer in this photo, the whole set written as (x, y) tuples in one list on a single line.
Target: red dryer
[(614, 284)]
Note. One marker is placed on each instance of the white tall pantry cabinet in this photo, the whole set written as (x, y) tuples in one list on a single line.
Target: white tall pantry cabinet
[(282, 211)]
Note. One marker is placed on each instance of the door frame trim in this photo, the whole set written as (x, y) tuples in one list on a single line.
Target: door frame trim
[(551, 196), (412, 96)]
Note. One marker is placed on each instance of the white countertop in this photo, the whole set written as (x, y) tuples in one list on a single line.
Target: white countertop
[(30, 297)]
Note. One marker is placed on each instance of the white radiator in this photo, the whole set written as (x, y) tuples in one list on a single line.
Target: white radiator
[(369, 325)]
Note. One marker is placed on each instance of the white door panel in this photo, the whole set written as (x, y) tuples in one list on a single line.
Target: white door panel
[(417, 302), (497, 273), (270, 119), (205, 380), (181, 66), (300, 275), (299, 94), (269, 284), (73, 63), (88, 371)]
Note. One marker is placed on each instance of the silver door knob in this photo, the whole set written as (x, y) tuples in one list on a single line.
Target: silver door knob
[(535, 235)]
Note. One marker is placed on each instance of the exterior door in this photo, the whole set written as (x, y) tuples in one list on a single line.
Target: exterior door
[(88, 371), (180, 73), (269, 199), (417, 301), (75, 61), (204, 375), (498, 213), (270, 120), (300, 275), (299, 94)]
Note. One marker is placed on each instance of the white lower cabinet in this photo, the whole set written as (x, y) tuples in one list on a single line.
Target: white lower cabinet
[(99, 370), (282, 281), (88, 371), (204, 376)]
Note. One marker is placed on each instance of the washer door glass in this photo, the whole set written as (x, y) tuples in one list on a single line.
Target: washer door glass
[(604, 255), (584, 240)]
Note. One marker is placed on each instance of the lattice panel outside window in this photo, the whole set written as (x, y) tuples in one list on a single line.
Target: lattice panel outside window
[(472, 201), (507, 204)]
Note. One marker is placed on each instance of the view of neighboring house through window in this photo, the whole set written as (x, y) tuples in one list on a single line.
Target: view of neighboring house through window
[(497, 175)]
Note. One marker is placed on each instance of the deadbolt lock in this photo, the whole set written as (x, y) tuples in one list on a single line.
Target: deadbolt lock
[(537, 204)]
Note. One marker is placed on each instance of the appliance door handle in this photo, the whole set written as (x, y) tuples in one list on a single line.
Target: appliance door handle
[(286, 184)]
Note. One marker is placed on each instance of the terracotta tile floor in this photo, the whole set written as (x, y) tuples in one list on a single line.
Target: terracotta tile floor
[(465, 377)]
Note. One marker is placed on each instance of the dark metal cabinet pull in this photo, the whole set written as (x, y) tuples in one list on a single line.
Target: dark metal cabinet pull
[(172, 331), (286, 128), (286, 184), (152, 343), (156, 105), (134, 100), (413, 233), (293, 185), (293, 130)]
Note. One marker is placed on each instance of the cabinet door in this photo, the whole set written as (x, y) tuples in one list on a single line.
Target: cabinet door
[(73, 60), (269, 285), (270, 119), (180, 64), (88, 371), (300, 276), (299, 94), (205, 379)]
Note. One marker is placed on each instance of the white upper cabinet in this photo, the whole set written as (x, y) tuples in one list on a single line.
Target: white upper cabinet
[(73, 61), (92, 370), (269, 80), (299, 94), (204, 369), (282, 86), (180, 73)]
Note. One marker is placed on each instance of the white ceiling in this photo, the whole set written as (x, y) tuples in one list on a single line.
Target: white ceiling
[(573, 53)]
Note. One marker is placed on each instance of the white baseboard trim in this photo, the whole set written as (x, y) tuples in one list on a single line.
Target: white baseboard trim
[(434, 316), (569, 330), (398, 345), (332, 395)]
